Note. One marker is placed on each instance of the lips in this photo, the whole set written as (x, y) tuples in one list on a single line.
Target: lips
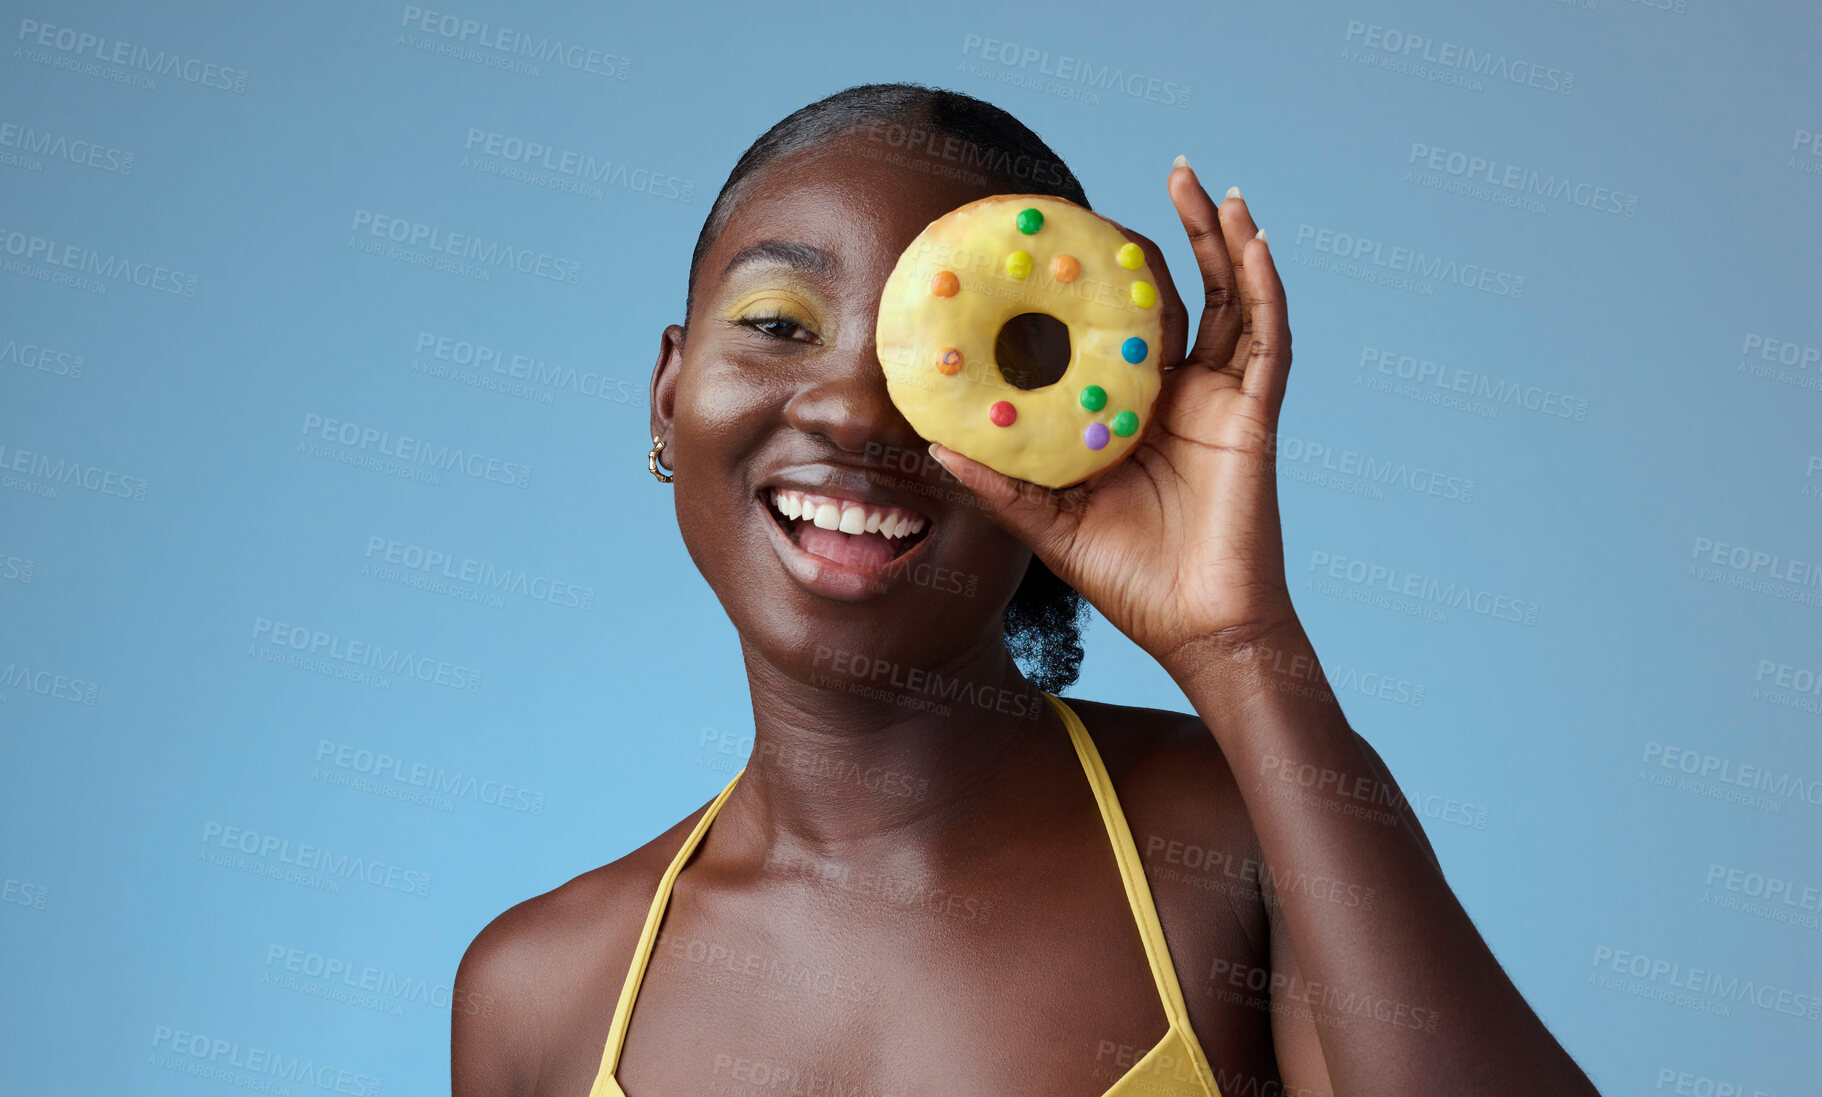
[(855, 533)]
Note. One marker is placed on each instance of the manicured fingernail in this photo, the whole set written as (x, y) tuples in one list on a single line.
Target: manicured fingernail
[(1233, 192), (1180, 162), (1261, 235)]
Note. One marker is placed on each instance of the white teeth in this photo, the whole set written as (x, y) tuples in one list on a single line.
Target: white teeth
[(848, 517)]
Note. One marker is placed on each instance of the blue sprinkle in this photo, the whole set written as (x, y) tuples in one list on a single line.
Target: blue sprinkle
[(1134, 350)]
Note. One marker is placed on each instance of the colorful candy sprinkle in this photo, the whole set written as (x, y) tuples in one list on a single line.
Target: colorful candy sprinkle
[(949, 362), (1030, 221), (1125, 423), (1144, 294), (1130, 256), (945, 284), (1065, 268), (1018, 264), (1134, 350), (1003, 413), (1094, 398), (1095, 437)]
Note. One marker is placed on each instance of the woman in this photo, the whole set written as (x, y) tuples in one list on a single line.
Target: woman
[(971, 887)]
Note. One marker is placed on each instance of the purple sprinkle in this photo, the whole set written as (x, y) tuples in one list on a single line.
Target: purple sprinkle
[(1096, 435)]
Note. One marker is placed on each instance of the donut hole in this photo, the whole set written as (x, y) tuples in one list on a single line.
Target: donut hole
[(1032, 350)]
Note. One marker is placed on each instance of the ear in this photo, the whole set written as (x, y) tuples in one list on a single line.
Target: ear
[(665, 375)]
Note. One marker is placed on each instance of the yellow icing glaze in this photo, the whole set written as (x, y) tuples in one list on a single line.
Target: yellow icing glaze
[(1045, 443)]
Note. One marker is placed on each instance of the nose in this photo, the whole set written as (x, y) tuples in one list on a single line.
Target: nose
[(845, 402)]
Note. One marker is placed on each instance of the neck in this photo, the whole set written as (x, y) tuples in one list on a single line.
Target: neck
[(867, 754)]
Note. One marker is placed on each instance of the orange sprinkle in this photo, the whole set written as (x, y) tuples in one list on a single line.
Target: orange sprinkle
[(949, 362), (1065, 268), (945, 284)]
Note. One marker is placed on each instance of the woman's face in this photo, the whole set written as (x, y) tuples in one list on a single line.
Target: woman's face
[(776, 387)]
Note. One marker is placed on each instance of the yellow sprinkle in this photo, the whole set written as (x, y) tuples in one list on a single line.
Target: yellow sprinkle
[(1018, 264), (1132, 257), (1144, 294)]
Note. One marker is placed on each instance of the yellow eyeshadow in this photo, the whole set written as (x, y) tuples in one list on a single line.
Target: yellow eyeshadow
[(770, 302)]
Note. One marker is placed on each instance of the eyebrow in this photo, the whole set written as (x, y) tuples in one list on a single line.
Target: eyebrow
[(801, 257)]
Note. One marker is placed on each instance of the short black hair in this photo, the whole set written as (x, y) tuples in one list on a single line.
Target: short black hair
[(937, 129)]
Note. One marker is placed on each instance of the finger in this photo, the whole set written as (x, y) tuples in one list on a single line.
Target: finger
[(1221, 305), (1238, 229), (1268, 361), (1030, 512), (1172, 313)]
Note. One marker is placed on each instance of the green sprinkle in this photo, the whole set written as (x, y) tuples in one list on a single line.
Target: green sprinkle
[(1125, 423)]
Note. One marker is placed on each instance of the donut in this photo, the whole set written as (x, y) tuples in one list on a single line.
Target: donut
[(1024, 331)]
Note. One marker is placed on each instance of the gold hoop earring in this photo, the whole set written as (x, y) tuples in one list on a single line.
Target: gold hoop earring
[(651, 459)]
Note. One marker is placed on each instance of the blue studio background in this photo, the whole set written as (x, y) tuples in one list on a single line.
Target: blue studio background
[(1554, 265)]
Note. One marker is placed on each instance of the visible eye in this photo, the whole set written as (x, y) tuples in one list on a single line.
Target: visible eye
[(778, 326)]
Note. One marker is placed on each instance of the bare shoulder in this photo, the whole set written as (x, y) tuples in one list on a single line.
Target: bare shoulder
[(536, 988), (1183, 806)]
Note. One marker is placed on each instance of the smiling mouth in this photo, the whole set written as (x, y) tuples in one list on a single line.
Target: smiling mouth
[(850, 532)]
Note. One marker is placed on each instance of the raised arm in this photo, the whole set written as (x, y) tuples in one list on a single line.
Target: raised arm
[(1180, 546)]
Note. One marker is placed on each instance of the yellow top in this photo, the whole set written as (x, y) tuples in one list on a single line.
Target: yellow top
[(1175, 1067)]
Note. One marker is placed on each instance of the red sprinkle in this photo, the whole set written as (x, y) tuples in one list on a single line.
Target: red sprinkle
[(1002, 413)]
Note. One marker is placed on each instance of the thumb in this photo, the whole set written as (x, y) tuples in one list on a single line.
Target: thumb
[(1036, 515)]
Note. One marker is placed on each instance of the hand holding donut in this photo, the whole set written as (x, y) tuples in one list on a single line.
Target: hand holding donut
[(1181, 542)]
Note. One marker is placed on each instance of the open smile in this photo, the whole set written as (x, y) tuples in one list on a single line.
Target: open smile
[(845, 548)]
